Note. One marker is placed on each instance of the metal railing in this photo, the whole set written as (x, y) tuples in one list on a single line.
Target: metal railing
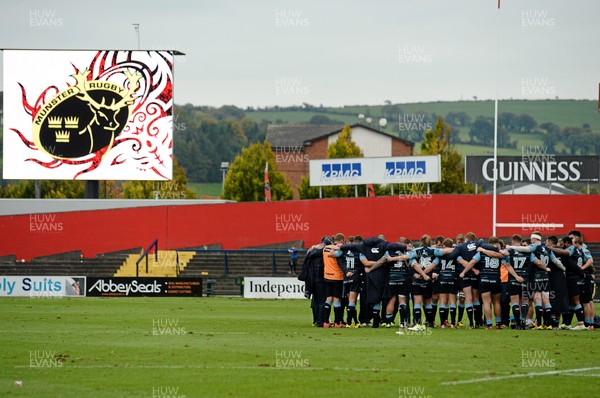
[(145, 255), (226, 253)]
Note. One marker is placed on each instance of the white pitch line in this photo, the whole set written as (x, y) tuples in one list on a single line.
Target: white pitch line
[(587, 225), (583, 375), (256, 367), (516, 376)]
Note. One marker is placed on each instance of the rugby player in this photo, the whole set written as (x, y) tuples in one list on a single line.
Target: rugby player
[(559, 300), (586, 291), (541, 287), (518, 265), (334, 278), (575, 277), (470, 281), (448, 287), (399, 284), (372, 250), (422, 262), (353, 273), (312, 274), (438, 242), (489, 280)]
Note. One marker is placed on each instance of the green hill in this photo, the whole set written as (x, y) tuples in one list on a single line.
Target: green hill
[(564, 113)]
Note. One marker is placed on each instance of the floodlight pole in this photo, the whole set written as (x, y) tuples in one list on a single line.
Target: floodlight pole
[(136, 26)]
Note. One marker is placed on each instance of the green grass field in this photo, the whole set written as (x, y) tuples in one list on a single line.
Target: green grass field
[(229, 347), (206, 189)]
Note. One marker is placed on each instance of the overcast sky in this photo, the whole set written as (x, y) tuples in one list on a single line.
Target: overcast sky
[(335, 52)]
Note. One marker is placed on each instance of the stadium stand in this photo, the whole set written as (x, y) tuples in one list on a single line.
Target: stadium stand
[(106, 265), (224, 269)]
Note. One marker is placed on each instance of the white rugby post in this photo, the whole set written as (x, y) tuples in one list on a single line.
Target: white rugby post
[(494, 204)]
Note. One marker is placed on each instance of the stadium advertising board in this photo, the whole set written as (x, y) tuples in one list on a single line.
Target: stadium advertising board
[(548, 168), (273, 288), (42, 286), (88, 115), (143, 287), (389, 170)]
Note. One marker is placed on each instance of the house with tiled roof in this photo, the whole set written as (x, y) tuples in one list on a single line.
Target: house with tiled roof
[(295, 145)]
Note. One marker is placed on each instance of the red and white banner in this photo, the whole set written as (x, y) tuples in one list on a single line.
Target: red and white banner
[(267, 184)]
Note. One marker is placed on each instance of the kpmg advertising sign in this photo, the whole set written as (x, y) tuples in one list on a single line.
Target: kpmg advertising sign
[(390, 170), (274, 288), (42, 286), (547, 168), (143, 287)]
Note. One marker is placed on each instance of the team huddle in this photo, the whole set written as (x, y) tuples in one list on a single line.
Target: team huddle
[(527, 284)]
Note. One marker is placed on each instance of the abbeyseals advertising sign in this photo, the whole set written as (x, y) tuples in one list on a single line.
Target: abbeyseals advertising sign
[(143, 287)]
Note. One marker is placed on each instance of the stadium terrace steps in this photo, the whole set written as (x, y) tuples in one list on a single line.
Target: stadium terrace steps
[(165, 266), (81, 267), (211, 267), (239, 263), (223, 286)]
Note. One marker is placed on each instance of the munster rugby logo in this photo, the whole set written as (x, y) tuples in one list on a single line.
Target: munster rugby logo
[(93, 115), (85, 118)]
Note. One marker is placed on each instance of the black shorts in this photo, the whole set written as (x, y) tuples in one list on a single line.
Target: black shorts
[(573, 286), (448, 287), (435, 287), (517, 288), (541, 283), (352, 284), (469, 281), (586, 290), (333, 288), (490, 285), (402, 289), (419, 289)]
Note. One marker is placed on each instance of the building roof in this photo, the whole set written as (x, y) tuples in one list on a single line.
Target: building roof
[(535, 189), (405, 142), (300, 134), (295, 135)]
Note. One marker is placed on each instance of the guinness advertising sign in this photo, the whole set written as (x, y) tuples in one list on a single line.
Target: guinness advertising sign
[(547, 169)]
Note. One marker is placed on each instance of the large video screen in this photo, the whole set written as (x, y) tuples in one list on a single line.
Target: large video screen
[(88, 115)]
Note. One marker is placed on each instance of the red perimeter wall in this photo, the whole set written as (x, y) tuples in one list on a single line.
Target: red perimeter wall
[(237, 225)]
